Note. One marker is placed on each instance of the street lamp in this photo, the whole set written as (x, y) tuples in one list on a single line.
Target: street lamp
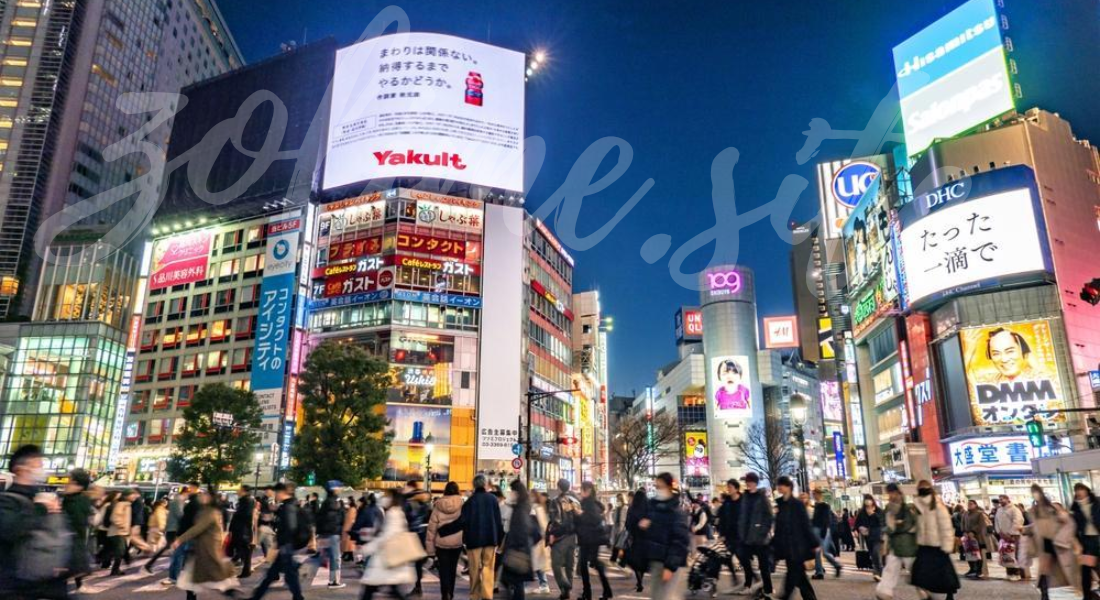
[(798, 418), (532, 398), (259, 456)]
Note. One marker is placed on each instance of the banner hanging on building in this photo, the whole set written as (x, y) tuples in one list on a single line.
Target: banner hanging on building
[(276, 315)]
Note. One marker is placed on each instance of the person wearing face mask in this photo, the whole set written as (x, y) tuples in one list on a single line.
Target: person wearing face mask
[(933, 572), (869, 526), (795, 541), (975, 526), (591, 534), (289, 538), (666, 538), (1051, 535), (23, 511), (1086, 516), (901, 541)]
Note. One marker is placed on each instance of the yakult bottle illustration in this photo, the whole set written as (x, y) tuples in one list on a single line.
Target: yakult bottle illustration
[(474, 85)]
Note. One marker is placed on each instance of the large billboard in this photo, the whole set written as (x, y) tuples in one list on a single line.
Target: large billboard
[(832, 405), (952, 75), (276, 314), (427, 105), (1012, 372), (994, 455), (980, 231), (731, 380), (840, 185), (696, 453), (180, 259)]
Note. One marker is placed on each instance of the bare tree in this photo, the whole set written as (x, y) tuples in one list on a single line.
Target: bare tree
[(640, 443), (767, 449)]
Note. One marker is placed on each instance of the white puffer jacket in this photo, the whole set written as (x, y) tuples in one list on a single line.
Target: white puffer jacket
[(934, 526)]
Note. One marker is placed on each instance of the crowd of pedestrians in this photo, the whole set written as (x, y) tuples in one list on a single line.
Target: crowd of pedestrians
[(508, 539)]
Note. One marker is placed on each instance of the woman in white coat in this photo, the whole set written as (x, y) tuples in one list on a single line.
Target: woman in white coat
[(932, 569), (379, 572)]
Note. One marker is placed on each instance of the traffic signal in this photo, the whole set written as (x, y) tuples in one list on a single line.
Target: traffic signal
[(1035, 433), (1090, 292)]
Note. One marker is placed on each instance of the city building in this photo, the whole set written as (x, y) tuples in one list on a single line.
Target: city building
[(65, 67), (589, 336)]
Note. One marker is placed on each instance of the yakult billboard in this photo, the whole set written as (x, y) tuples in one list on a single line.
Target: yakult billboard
[(427, 105)]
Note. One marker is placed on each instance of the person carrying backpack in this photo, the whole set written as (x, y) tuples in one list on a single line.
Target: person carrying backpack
[(561, 536), (35, 541), (292, 533)]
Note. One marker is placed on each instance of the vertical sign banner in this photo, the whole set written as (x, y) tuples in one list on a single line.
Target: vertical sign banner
[(269, 360), (696, 455), (732, 385), (838, 455), (1012, 372), (123, 406)]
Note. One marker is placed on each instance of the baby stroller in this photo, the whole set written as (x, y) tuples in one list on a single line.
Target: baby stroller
[(706, 566)]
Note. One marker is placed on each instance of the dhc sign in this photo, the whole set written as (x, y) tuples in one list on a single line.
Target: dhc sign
[(852, 180)]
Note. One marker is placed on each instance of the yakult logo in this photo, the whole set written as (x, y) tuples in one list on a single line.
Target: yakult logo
[(728, 282), (411, 157)]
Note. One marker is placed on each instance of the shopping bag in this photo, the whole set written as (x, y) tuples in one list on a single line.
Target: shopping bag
[(1007, 554)]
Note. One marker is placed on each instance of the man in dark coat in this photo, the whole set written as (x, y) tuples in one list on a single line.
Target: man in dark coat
[(795, 541), (823, 527), (288, 518), (21, 513), (729, 513), (754, 529), (667, 538), (241, 530), (482, 532)]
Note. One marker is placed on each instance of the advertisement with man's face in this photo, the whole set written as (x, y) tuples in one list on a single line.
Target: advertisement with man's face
[(1012, 372), (732, 385)]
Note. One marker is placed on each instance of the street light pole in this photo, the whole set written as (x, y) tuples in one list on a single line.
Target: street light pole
[(532, 397), (798, 416)]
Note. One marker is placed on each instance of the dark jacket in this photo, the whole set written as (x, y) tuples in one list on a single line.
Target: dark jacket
[(286, 522), (330, 517), (872, 522), (636, 553), (481, 524), (728, 516), (17, 519), (78, 510), (190, 513), (590, 523), (755, 524), (523, 532), (668, 538), (417, 514), (1079, 517), (137, 512), (562, 522), (795, 540), (240, 526), (823, 519)]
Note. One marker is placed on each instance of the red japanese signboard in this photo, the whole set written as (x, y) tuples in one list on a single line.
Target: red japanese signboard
[(180, 259), (354, 248), (356, 283), (469, 251)]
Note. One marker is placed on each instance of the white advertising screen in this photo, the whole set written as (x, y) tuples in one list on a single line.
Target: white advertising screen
[(995, 454), (952, 75), (959, 247), (426, 105)]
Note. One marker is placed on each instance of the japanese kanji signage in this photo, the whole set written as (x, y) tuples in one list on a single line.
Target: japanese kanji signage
[(1012, 372), (993, 454), (352, 249), (276, 315), (449, 216), (976, 232), (464, 250), (427, 105), (180, 259)]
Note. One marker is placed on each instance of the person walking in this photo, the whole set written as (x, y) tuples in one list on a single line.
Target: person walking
[(138, 522), (291, 535), (844, 527), (591, 534), (523, 533), (242, 527), (158, 520), (1086, 517), (171, 525), (618, 527), (667, 539), (445, 548), (975, 526), (561, 535), (78, 510), (933, 572), (347, 543), (728, 515), (417, 500), (540, 554), (701, 521), (266, 505), (754, 530), (328, 525), (1052, 535), (118, 531), (795, 541), (634, 554), (1009, 525), (206, 568), (869, 526), (384, 570), (823, 525), (482, 533), (367, 522), (24, 512), (901, 541)]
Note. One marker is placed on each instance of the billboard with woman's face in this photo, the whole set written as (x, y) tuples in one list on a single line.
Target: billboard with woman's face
[(732, 385)]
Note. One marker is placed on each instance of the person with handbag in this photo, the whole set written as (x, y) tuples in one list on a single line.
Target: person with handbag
[(541, 552), (901, 541), (592, 532), (1052, 534), (207, 567), (975, 525), (1086, 516), (523, 534), (933, 572), (634, 550), (445, 548), (394, 551), (869, 526), (1009, 525)]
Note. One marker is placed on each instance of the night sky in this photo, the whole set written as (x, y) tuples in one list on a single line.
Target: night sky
[(680, 82)]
